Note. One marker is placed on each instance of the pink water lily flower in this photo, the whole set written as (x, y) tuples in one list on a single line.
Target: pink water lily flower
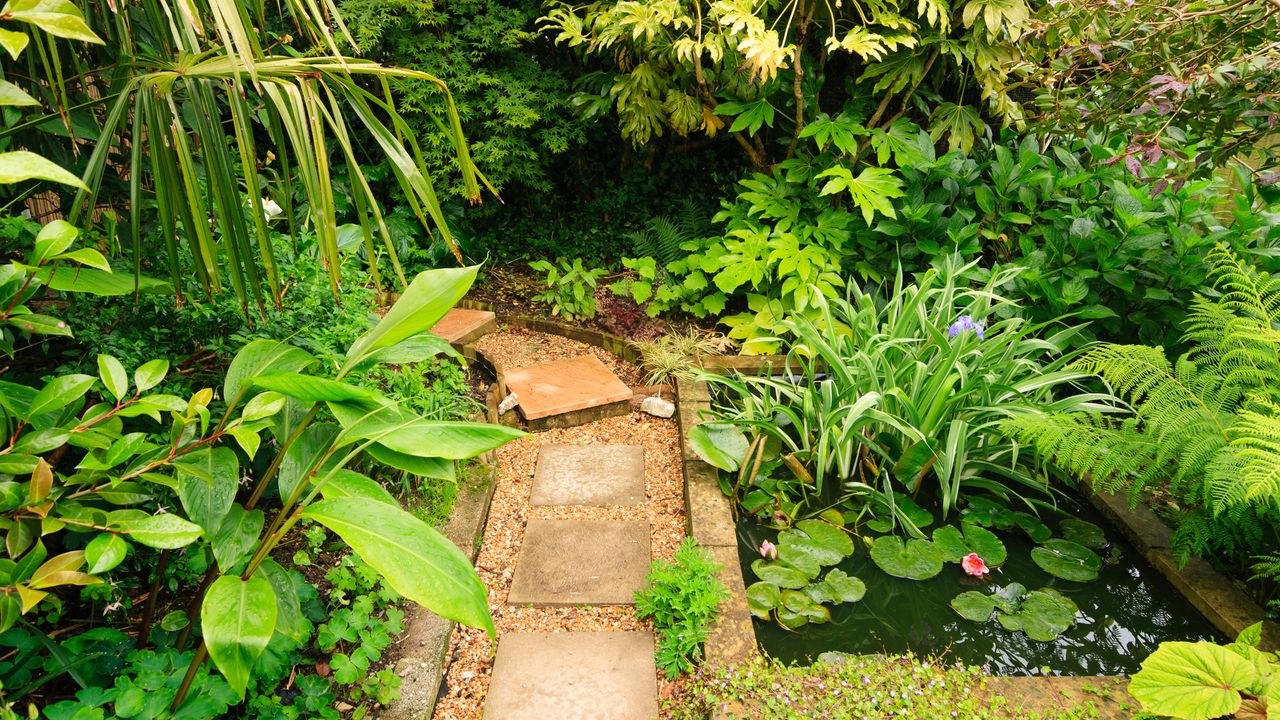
[(768, 550), (974, 565)]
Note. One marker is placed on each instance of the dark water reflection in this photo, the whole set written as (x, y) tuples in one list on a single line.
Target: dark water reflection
[(1124, 614)]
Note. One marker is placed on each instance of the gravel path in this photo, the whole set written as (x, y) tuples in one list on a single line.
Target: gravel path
[(470, 652)]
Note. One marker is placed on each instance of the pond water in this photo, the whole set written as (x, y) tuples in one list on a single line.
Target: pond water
[(1124, 614)]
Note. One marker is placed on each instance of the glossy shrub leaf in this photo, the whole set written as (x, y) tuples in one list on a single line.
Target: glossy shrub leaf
[(1083, 533), (237, 536), (257, 358), (21, 165), (719, 444), (60, 392), (262, 405), (288, 607), (54, 238), (416, 561), (166, 531), (1192, 681), (913, 560), (207, 485), (105, 552), (1067, 560), (114, 377), (150, 374), (427, 299), (238, 618)]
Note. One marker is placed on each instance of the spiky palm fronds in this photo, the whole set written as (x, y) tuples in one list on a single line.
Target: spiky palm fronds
[(1206, 428)]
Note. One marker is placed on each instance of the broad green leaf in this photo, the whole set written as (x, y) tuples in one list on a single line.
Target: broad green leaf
[(20, 165), (59, 393), (303, 457), (416, 561), (288, 607), (310, 389), (166, 531), (406, 433), (105, 552), (260, 357), (914, 560), (263, 405), (53, 239), (784, 576), (1083, 533), (720, 444), (13, 41), (356, 487), (56, 17), (762, 598), (1043, 615), (237, 536), (97, 282), (40, 324), (418, 348), (207, 485), (171, 622), (1067, 560), (149, 374), (237, 618), (1192, 681), (973, 605), (427, 299), (114, 377), (428, 467)]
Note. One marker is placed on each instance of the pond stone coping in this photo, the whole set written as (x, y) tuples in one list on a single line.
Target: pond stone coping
[(710, 519)]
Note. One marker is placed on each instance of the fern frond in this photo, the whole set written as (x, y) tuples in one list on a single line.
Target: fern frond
[(1115, 455), (1246, 291)]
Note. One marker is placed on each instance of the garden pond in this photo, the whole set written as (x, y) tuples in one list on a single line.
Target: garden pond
[(1122, 616)]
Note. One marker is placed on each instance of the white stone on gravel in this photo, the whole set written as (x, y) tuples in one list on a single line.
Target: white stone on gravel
[(658, 407)]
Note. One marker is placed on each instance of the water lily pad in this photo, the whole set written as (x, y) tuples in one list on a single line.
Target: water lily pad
[(793, 620), (812, 544), (720, 444), (1043, 615), (914, 560), (957, 542), (905, 506), (781, 575), (1083, 532), (798, 555), (762, 598), (1009, 597), (1027, 523), (844, 588), (973, 605), (1067, 560), (830, 538)]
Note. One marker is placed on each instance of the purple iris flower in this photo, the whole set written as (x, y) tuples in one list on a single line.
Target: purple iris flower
[(966, 322)]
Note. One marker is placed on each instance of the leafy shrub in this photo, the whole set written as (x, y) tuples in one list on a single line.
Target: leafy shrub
[(885, 396), (683, 597), (1203, 429), (571, 288)]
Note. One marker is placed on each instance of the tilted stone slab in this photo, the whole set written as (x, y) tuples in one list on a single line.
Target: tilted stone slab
[(561, 386), (588, 475), (460, 326), (565, 563), (573, 676)]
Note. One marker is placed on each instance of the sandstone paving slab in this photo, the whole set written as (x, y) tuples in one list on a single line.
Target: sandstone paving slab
[(573, 676), (566, 563), (588, 475), (460, 325), (561, 386)]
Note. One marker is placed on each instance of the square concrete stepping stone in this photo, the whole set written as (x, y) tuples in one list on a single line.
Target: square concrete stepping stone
[(573, 676), (461, 326), (565, 563), (561, 386), (588, 475)]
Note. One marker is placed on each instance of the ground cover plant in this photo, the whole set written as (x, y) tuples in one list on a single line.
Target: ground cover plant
[(683, 598)]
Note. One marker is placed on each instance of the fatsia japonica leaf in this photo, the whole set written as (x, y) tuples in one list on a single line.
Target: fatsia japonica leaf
[(871, 191), (415, 560), (238, 618)]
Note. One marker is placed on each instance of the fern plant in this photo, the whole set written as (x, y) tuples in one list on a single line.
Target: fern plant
[(1204, 429)]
